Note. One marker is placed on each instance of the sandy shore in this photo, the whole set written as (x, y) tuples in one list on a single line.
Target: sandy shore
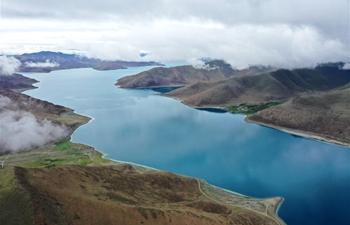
[(305, 134)]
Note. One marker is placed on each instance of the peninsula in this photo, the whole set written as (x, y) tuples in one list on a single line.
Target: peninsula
[(310, 102)]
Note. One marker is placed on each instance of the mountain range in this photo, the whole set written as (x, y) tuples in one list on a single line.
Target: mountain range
[(47, 61)]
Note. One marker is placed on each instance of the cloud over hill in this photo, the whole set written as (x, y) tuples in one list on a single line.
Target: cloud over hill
[(21, 130)]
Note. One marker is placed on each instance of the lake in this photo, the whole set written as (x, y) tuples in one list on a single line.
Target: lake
[(142, 127)]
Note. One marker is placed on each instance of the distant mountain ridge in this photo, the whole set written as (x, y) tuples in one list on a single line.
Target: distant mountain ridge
[(264, 87), (40, 62), (184, 75)]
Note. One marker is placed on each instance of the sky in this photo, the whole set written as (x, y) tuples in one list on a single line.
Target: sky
[(284, 33)]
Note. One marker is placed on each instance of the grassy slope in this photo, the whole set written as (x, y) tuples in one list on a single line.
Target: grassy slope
[(15, 207), (248, 109), (120, 194)]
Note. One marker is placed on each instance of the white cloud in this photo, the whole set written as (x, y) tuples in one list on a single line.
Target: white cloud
[(8, 65), (199, 64), (21, 130), (346, 66), (42, 64), (196, 63)]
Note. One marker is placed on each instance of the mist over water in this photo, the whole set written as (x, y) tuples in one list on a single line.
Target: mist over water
[(142, 127)]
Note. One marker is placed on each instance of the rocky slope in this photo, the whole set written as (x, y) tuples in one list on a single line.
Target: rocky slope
[(184, 75), (324, 116), (265, 87)]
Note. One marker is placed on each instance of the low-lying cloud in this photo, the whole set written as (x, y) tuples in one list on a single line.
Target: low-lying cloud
[(8, 65), (48, 63), (346, 66), (22, 130), (200, 64)]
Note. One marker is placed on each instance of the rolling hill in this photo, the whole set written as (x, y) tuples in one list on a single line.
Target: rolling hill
[(277, 85), (323, 116)]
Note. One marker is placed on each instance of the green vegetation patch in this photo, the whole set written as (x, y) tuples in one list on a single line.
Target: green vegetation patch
[(62, 146), (63, 153), (248, 109)]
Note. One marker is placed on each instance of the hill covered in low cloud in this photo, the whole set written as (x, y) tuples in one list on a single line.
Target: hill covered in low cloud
[(47, 61)]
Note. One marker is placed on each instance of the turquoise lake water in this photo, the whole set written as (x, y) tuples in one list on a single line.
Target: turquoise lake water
[(139, 126)]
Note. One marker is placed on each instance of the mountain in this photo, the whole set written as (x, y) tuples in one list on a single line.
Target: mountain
[(277, 85), (47, 61), (184, 75), (323, 116)]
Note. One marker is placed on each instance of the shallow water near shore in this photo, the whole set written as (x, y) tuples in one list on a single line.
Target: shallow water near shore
[(142, 127)]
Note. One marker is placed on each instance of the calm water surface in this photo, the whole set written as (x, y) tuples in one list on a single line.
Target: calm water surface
[(142, 127)]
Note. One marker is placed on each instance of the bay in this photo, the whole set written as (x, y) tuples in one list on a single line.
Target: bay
[(142, 127)]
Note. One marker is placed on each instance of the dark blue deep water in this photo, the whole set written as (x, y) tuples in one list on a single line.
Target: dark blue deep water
[(142, 127)]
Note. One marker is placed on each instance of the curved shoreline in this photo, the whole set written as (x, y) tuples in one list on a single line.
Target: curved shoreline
[(103, 155), (300, 133), (276, 208)]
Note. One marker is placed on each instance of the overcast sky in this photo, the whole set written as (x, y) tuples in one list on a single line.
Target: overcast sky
[(287, 33)]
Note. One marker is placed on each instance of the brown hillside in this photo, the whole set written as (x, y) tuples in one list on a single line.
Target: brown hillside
[(183, 75), (325, 115), (121, 195), (272, 86)]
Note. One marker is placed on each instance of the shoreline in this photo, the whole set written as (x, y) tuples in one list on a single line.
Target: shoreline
[(300, 133), (87, 119), (276, 208)]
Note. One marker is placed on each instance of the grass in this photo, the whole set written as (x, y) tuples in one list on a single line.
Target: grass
[(63, 153), (249, 109), (62, 146)]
